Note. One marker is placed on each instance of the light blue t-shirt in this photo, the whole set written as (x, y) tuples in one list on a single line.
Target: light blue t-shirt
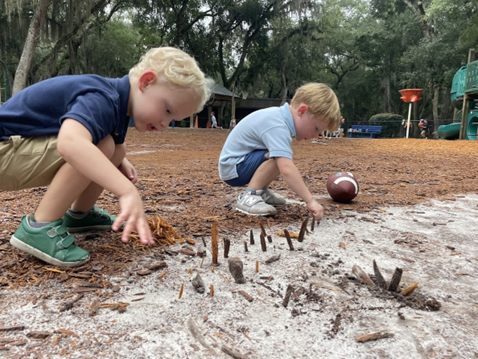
[(270, 129)]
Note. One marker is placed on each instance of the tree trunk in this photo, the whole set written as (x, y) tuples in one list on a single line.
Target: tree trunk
[(435, 102), (446, 106), (220, 116), (284, 90), (31, 43), (233, 104), (388, 100)]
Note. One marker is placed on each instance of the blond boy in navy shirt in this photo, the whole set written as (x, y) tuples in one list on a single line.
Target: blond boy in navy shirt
[(68, 132)]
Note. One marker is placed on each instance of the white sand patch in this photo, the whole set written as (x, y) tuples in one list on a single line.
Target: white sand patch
[(322, 322)]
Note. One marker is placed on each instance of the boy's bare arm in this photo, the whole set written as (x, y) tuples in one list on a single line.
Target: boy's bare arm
[(291, 175), (76, 147)]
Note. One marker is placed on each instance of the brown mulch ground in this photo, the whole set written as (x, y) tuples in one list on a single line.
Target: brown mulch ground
[(179, 181)]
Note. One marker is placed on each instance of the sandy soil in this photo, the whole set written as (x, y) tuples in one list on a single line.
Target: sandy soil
[(417, 210)]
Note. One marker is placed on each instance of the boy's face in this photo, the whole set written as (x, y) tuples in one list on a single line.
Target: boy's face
[(153, 104), (307, 127)]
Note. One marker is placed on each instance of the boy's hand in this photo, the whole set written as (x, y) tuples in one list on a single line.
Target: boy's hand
[(132, 212), (128, 170), (293, 178), (316, 209)]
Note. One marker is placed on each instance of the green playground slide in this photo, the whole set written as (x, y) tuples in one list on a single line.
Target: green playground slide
[(452, 131), (449, 132)]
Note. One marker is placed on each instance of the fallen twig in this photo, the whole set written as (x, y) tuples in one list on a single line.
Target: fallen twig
[(408, 291), (373, 336)]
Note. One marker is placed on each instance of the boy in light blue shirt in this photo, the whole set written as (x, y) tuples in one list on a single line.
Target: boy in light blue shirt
[(259, 149)]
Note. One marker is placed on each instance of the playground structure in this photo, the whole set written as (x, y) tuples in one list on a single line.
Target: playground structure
[(464, 94)]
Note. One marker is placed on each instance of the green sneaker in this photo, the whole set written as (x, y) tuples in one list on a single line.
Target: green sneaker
[(95, 219), (51, 243)]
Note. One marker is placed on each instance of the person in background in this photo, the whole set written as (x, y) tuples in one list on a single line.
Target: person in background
[(214, 121), (232, 124), (341, 132), (423, 124), (321, 138), (406, 125)]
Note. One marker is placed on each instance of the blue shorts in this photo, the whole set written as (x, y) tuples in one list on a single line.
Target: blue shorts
[(247, 168)]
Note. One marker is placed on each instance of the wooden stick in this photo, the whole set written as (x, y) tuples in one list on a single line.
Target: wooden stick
[(13, 327), (379, 277), (360, 274), (62, 308), (408, 291), (181, 291), (263, 243), (312, 225), (396, 278), (227, 245), (211, 290), (263, 230), (163, 274), (288, 292), (245, 247), (303, 228), (245, 295), (307, 222), (234, 354), (214, 242), (252, 238), (289, 240), (273, 259), (257, 266), (373, 336)]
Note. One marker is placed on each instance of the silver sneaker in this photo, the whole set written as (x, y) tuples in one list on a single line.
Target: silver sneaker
[(273, 199), (255, 205)]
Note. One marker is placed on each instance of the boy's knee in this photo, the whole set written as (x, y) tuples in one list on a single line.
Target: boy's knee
[(119, 155), (107, 146), (115, 153)]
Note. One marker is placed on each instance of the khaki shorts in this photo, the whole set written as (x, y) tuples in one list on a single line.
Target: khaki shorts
[(27, 162)]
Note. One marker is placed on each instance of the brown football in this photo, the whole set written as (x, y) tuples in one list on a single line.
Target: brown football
[(342, 186)]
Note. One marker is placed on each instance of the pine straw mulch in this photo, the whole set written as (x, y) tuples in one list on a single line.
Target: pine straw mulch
[(179, 184)]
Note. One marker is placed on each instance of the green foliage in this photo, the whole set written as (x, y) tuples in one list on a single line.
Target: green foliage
[(391, 124), (102, 52), (365, 50)]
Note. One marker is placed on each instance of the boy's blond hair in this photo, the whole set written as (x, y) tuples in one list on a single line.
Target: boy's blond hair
[(322, 103), (175, 67)]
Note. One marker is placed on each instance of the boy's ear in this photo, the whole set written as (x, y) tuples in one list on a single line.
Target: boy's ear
[(147, 78), (302, 109)]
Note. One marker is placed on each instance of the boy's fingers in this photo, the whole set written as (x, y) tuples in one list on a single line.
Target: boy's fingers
[(145, 234), (141, 227), (117, 223), (128, 228)]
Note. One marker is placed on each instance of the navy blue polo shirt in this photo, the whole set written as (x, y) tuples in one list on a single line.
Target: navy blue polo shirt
[(98, 103)]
